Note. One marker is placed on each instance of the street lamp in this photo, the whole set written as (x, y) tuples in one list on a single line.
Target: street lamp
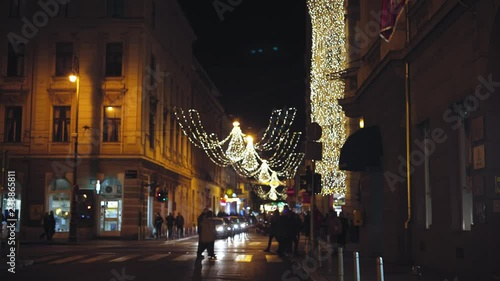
[(74, 77)]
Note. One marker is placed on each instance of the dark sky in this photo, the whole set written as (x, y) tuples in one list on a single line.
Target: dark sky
[(253, 85)]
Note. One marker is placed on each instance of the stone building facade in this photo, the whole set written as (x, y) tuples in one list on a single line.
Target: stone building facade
[(134, 63), (446, 59)]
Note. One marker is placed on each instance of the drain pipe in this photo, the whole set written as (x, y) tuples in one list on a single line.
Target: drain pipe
[(408, 138)]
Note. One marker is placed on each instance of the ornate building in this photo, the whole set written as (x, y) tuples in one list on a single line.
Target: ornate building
[(134, 63)]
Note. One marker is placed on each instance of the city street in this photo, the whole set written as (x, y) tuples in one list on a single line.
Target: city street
[(241, 258)]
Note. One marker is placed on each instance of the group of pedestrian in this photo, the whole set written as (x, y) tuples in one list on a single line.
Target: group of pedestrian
[(285, 228), (49, 226), (170, 220)]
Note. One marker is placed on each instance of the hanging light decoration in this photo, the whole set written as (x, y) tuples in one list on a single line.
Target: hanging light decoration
[(328, 56), (241, 152)]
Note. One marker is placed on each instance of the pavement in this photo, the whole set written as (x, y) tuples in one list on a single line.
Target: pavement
[(326, 267), (20, 262)]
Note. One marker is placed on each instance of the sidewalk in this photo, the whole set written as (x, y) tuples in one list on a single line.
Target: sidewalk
[(329, 269)]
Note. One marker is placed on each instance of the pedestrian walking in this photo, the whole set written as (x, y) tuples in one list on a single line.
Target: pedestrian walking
[(272, 229), (179, 223), (200, 221), (284, 231), (208, 235), (158, 225), (334, 227), (170, 225)]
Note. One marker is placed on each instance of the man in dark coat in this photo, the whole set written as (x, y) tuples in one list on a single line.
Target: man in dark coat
[(272, 229), (170, 225)]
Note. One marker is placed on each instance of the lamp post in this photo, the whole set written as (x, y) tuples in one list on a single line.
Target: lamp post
[(74, 78)]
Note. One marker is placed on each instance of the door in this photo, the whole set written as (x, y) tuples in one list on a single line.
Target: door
[(110, 217)]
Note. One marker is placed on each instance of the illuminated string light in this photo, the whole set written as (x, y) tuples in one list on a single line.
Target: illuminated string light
[(328, 56), (242, 154)]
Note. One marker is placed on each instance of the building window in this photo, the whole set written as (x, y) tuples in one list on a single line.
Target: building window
[(15, 8), (427, 175), (15, 61), (114, 56), (152, 121), (13, 123), (152, 79), (465, 178), (164, 128), (64, 58), (112, 123), (62, 117), (115, 8), (153, 15), (63, 11)]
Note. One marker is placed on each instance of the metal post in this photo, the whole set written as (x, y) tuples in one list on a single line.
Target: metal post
[(313, 213), (380, 269), (72, 223), (356, 267), (341, 263)]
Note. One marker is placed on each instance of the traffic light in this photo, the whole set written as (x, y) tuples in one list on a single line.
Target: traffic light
[(161, 196), (317, 183)]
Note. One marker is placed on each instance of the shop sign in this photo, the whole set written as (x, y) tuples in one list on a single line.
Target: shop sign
[(130, 174)]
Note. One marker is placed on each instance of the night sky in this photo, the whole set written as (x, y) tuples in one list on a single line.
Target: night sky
[(254, 55)]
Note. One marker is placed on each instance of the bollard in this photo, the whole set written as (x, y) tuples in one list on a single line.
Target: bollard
[(341, 263), (356, 267), (380, 269)]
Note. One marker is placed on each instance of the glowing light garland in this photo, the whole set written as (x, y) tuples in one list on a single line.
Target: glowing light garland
[(242, 154), (328, 56)]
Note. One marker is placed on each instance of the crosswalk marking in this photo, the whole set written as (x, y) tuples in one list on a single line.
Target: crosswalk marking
[(254, 243), (46, 258), (101, 257), (68, 259), (124, 258), (273, 258), (154, 257), (184, 258), (243, 258)]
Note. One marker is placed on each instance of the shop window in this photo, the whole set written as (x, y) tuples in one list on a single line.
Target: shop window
[(153, 15), (64, 59), (13, 124), (112, 123), (114, 57), (15, 60), (85, 208), (115, 8), (60, 129), (59, 195), (465, 182)]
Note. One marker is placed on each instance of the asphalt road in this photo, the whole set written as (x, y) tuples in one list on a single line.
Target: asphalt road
[(238, 258)]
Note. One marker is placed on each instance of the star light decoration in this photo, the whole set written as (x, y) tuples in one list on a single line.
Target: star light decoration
[(328, 56), (239, 150)]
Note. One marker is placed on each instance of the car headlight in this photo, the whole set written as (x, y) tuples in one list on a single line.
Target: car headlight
[(220, 228), (235, 226)]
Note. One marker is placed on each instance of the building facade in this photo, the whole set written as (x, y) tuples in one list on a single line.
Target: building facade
[(439, 206), (134, 64)]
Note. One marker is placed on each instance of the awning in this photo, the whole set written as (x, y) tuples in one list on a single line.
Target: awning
[(361, 150)]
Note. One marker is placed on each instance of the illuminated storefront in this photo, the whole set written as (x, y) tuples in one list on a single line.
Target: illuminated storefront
[(58, 197), (110, 196)]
